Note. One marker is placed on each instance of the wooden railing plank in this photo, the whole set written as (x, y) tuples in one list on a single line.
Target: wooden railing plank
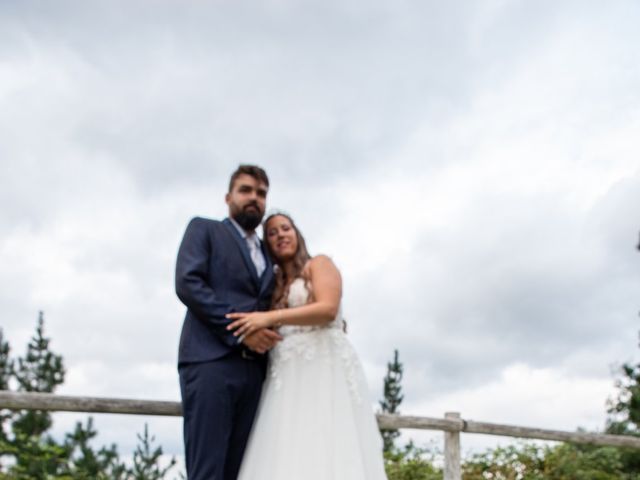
[(395, 422), (555, 435), (64, 403)]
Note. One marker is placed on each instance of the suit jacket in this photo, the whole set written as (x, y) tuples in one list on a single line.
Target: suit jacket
[(215, 276)]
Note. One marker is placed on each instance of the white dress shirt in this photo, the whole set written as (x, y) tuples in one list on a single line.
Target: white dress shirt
[(253, 242)]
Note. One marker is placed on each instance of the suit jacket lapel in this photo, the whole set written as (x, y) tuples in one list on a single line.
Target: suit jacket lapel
[(244, 249)]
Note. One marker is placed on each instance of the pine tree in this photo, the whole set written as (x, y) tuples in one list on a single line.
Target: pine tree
[(624, 409), (40, 370), (146, 459), (392, 399), (5, 374), (85, 462), (624, 412), (33, 454), (5, 362)]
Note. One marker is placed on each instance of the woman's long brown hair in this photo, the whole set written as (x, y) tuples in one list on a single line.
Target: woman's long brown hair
[(300, 259)]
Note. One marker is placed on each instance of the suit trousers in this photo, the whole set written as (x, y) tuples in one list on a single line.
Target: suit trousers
[(219, 403)]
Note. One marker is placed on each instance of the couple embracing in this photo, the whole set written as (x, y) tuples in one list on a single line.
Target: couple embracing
[(271, 387)]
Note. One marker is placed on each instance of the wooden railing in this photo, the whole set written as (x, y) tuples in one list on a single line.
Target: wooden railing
[(452, 424)]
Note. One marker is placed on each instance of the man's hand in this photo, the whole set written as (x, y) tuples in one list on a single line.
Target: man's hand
[(262, 341)]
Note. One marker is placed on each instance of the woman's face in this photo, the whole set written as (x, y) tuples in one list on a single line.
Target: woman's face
[(281, 237)]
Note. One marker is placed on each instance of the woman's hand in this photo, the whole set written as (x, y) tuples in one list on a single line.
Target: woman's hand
[(247, 323)]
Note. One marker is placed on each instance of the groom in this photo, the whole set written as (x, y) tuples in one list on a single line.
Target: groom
[(223, 267)]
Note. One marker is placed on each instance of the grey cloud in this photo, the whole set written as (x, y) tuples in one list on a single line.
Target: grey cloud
[(530, 283), (177, 96)]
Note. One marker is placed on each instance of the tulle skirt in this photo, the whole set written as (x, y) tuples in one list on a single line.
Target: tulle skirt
[(315, 421)]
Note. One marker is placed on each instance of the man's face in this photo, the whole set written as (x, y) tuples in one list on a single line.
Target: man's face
[(247, 201)]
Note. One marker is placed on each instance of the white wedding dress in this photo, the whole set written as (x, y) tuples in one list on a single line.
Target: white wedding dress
[(314, 421)]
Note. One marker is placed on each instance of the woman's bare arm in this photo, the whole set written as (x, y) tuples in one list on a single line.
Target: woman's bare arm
[(326, 285)]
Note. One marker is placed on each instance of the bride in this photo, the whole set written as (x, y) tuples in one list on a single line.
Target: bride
[(314, 420)]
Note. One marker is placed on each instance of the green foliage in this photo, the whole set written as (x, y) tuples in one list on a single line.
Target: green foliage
[(28, 452), (6, 368), (6, 365), (35, 458), (585, 462), (533, 462), (84, 462), (506, 463), (33, 454), (146, 458), (624, 409), (411, 463), (624, 412), (40, 370), (392, 398)]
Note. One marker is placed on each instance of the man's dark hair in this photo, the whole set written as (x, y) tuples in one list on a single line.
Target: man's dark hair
[(252, 170)]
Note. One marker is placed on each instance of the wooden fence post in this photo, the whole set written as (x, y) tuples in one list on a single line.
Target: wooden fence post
[(452, 451)]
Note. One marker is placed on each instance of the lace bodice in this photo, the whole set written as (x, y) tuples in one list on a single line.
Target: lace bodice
[(298, 296), (317, 343)]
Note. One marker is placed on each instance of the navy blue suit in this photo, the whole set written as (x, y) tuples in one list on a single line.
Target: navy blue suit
[(220, 380)]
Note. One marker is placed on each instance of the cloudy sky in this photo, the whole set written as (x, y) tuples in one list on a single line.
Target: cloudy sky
[(471, 166)]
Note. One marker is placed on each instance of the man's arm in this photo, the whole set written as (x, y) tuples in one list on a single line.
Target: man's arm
[(192, 269)]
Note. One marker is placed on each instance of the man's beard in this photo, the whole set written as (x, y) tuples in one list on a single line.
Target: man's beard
[(248, 220)]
